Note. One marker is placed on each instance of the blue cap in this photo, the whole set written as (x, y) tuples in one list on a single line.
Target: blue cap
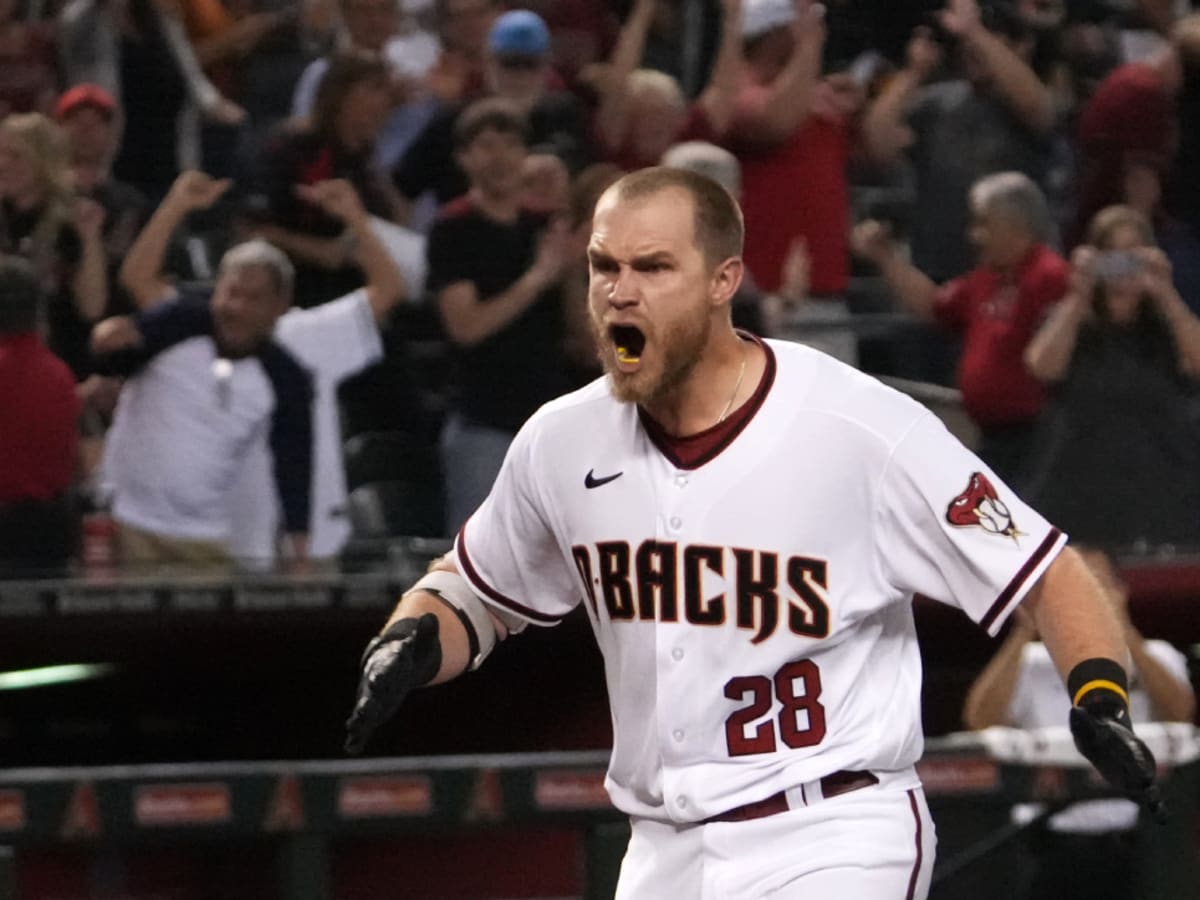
[(520, 32)]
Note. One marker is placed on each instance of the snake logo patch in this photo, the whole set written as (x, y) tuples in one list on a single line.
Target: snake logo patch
[(980, 505)]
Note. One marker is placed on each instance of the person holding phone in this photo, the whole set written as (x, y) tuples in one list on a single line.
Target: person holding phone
[(1118, 452)]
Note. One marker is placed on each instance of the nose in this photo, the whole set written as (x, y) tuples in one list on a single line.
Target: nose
[(624, 291)]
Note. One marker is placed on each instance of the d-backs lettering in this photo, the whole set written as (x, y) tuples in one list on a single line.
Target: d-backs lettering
[(647, 584)]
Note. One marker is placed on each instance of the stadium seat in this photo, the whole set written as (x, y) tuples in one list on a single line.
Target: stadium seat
[(376, 456), (388, 509)]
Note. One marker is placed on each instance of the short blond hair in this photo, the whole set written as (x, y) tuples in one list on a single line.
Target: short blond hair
[(651, 83), (1109, 220)]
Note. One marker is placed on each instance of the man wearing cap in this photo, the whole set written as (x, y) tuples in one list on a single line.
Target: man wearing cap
[(793, 129), (91, 120), (38, 440), (516, 68)]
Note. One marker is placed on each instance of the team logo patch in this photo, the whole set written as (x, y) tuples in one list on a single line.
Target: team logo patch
[(980, 505)]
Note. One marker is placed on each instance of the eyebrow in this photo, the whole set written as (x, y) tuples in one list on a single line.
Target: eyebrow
[(659, 256)]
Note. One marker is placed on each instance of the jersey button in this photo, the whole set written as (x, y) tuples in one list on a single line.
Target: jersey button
[(682, 802), (677, 734), (676, 523), (677, 654), (681, 481)]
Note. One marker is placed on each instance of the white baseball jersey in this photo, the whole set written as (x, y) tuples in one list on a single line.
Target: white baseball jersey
[(754, 612), (334, 341)]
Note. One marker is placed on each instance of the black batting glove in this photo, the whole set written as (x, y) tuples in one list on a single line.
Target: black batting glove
[(1104, 734), (406, 655)]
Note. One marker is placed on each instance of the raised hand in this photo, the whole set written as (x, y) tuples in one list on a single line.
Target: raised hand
[(337, 197), (194, 190), (923, 54), (960, 17), (872, 240)]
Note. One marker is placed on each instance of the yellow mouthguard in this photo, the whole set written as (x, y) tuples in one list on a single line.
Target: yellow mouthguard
[(625, 356)]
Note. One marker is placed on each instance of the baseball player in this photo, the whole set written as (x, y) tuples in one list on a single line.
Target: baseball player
[(745, 523)]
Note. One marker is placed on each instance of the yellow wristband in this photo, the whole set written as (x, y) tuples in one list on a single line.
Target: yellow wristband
[(1102, 684)]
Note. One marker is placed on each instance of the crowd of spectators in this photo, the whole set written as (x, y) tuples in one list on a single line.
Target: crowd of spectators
[(309, 264)]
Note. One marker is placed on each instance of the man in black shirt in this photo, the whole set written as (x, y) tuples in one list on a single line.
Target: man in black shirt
[(496, 270), (518, 69)]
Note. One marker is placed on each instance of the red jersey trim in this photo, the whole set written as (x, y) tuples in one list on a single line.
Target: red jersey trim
[(724, 432), (1019, 579), (492, 594), (916, 870)]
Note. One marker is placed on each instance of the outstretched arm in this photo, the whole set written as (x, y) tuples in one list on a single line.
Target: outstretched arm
[(438, 630), (1015, 82), (915, 290), (786, 103), (719, 96), (141, 273), (612, 117)]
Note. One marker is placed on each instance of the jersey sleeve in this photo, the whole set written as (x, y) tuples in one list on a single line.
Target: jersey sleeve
[(951, 530), (336, 339), (508, 551)]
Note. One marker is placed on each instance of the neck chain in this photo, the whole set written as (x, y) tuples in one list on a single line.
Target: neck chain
[(736, 387)]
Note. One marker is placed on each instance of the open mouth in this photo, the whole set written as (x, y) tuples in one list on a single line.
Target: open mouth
[(629, 343)]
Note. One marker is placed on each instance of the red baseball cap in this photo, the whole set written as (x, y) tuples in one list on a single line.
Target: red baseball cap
[(84, 95)]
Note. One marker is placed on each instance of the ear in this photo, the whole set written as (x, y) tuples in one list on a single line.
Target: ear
[(726, 279)]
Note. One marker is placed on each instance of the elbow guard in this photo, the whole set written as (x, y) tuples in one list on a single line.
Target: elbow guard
[(453, 590)]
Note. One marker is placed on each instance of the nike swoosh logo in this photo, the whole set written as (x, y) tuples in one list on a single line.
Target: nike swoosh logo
[(591, 481)]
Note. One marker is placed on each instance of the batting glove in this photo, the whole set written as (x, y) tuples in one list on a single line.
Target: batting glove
[(406, 655), (1104, 734)]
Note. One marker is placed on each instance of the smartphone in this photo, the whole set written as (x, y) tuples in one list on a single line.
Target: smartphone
[(1113, 265)]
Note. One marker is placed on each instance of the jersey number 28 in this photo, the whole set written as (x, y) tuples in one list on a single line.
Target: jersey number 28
[(801, 720)]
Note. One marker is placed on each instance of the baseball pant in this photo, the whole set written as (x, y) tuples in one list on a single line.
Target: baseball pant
[(871, 844)]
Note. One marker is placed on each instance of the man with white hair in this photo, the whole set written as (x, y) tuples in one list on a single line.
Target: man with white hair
[(995, 308), (205, 382)]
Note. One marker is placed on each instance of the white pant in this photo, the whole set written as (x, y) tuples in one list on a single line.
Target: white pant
[(874, 843)]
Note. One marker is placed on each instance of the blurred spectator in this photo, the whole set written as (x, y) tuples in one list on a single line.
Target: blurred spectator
[(501, 309), (793, 131), (205, 382), (1141, 187), (516, 68), (1118, 456), (89, 116), (38, 440), (43, 221), (642, 112), (374, 26), (581, 32), (337, 142), (28, 63), (995, 309), (138, 51), (333, 341), (1183, 193), (580, 348), (463, 27), (996, 118), (1090, 848), (1132, 118), (752, 310)]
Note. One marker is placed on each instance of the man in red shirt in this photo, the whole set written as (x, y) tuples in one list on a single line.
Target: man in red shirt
[(38, 435), (995, 308)]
